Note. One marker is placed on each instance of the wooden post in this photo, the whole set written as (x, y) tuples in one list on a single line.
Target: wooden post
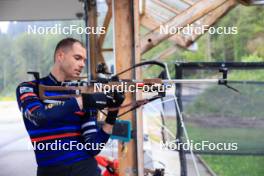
[(139, 115), (92, 22), (125, 55), (106, 23), (96, 42)]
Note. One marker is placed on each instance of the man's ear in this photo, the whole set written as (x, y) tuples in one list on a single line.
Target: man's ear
[(59, 55)]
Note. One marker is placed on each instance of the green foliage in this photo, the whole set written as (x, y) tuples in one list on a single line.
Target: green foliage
[(247, 45), (22, 52), (154, 70), (156, 50), (196, 56), (252, 58), (249, 40)]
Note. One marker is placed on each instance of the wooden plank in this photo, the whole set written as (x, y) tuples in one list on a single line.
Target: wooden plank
[(139, 114), (92, 22), (190, 15), (101, 39), (143, 7), (244, 2), (166, 6), (107, 49), (106, 23), (189, 2), (251, 2), (151, 24), (123, 52)]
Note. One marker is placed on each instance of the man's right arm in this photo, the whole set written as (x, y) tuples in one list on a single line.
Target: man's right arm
[(34, 110), (107, 128)]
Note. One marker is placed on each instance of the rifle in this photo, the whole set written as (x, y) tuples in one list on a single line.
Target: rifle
[(157, 84)]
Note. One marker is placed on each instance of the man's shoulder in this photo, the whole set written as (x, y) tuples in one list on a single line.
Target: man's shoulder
[(32, 83), (27, 87), (30, 86), (28, 83)]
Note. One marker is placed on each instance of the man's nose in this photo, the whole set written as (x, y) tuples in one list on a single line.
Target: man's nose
[(82, 64)]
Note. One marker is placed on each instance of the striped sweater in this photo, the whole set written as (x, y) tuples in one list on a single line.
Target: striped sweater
[(61, 134)]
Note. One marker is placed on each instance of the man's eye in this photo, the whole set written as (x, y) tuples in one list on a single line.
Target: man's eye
[(77, 58)]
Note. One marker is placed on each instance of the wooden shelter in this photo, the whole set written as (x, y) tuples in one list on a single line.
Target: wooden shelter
[(128, 16)]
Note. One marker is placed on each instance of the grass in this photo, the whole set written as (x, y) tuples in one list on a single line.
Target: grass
[(221, 102), (247, 139), (7, 98), (236, 165), (8, 94)]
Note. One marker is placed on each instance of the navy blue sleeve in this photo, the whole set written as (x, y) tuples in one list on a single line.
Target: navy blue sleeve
[(34, 110), (95, 138)]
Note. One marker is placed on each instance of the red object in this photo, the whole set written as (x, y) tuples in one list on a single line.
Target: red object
[(44, 138), (30, 94), (108, 164), (140, 84)]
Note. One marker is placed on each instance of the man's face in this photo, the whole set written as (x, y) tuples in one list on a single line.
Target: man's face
[(73, 60)]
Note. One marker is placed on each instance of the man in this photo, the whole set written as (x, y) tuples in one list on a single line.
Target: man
[(66, 128)]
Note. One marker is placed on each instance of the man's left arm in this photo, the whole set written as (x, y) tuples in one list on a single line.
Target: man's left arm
[(93, 135)]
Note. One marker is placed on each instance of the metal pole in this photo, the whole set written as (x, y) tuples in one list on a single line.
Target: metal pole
[(87, 44), (179, 134)]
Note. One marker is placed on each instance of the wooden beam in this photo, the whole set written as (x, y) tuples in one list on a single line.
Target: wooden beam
[(106, 23), (244, 2), (139, 115), (102, 36), (92, 22), (213, 17), (151, 24), (127, 153), (210, 19), (189, 2), (190, 15), (107, 49), (143, 7), (162, 4), (251, 2)]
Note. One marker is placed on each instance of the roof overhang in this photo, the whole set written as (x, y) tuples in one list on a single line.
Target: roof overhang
[(252, 2), (29, 10)]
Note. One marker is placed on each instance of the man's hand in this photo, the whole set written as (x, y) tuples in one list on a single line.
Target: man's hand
[(114, 101), (100, 100), (94, 100)]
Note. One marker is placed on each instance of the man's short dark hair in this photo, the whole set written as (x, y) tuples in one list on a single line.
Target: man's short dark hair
[(66, 44)]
